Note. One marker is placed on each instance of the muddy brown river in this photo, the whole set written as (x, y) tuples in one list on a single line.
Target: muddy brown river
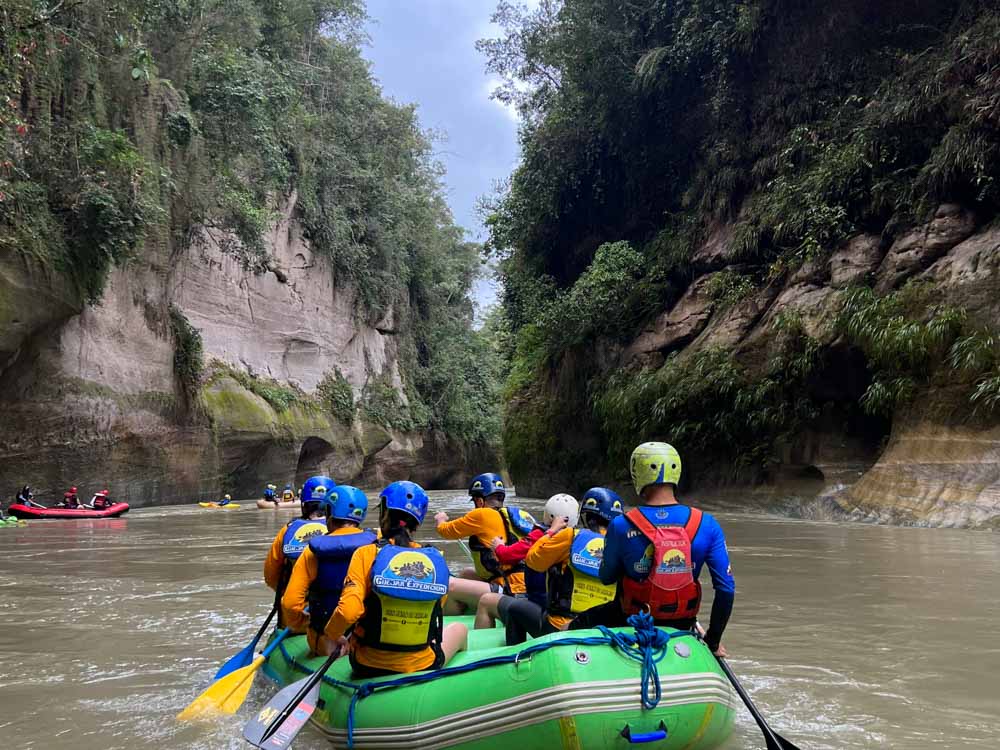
[(847, 636)]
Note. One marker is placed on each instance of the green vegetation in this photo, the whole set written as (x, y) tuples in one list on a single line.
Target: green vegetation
[(337, 396), (135, 127), (281, 397), (911, 342), (189, 362), (654, 124)]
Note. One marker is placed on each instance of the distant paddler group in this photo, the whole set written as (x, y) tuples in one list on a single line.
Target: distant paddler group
[(378, 605)]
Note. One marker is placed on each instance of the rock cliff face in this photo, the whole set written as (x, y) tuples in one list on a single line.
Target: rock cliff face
[(939, 466), (88, 394), (935, 462)]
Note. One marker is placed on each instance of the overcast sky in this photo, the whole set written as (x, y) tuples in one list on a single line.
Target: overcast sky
[(423, 52)]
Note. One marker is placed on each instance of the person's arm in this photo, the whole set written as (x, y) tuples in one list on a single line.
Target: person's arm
[(274, 563), (351, 606), (549, 550), (296, 596), (471, 524), (724, 584), (511, 554), (612, 566)]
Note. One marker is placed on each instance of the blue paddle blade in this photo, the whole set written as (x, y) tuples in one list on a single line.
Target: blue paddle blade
[(243, 659)]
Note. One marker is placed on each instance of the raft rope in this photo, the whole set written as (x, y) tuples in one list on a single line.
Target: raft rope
[(648, 647)]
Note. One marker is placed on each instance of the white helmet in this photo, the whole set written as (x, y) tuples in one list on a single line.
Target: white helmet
[(562, 505)]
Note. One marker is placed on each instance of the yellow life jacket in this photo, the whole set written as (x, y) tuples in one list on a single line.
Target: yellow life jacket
[(573, 586), (403, 611)]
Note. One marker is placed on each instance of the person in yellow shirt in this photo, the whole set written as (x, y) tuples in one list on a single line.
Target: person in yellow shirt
[(571, 559), (294, 537), (318, 576), (393, 597), (482, 525)]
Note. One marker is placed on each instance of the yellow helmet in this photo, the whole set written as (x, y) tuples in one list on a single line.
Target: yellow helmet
[(654, 463)]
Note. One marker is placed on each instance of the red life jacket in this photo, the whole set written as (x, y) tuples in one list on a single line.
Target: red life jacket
[(670, 592)]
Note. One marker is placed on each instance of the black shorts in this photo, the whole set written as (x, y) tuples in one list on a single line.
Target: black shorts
[(522, 618), (361, 671)]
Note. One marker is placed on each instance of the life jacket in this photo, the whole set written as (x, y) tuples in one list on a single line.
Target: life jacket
[(517, 525), (403, 610), (287, 495), (333, 555), (573, 587), (298, 533), (670, 591), (269, 494)]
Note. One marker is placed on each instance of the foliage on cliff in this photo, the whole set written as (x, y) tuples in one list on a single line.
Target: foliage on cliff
[(655, 122), (136, 123)]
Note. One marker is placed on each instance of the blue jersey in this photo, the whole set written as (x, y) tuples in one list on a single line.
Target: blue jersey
[(628, 552)]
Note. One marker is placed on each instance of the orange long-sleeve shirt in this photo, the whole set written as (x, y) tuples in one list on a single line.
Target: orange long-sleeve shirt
[(549, 551), (357, 587), (485, 524), (296, 597)]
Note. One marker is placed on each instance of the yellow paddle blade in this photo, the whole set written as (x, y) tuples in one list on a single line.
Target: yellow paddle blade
[(224, 696)]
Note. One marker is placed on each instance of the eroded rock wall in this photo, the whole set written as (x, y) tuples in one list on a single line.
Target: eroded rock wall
[(89, 397), (933, 463)]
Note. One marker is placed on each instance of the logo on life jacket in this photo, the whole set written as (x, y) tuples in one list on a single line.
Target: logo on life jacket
[(409, 572), (589, 558), (294, 544)]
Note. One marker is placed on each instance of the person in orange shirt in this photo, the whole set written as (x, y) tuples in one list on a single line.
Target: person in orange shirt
[(318, 575), (294, 537), (393, 597), (571, 558), (484, 523), (520, 615)]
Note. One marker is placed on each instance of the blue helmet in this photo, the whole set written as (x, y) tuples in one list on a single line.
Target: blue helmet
[(346, 503), (602, 502), (316, 489), (407, 497), (487, 484)]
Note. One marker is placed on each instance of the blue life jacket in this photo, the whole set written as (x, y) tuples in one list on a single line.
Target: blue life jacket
[(297, 536), (403, 611), (333, 557)]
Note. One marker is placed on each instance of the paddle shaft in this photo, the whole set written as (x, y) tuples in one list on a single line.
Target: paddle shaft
[(308, 684), (263, 627)]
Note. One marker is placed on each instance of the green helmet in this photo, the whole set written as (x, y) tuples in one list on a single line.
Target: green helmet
[(654, 463)]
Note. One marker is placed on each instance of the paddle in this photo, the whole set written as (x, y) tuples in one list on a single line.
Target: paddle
[(227, 695), (278, 723), (773, 740), (245, 657)]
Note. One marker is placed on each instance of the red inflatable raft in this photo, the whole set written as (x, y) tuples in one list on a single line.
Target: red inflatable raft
[(25, 511)]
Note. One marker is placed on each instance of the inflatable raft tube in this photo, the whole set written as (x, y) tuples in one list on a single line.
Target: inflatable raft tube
[(25, 511), (577, 690), (227, 506), (268, 505)]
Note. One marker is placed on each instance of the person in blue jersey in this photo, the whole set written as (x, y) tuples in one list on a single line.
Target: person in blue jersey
[(655, 553)]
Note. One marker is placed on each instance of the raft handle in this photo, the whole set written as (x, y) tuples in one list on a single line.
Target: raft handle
[(642, 738)]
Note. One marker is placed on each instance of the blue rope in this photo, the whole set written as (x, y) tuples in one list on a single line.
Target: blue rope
[(647, 646)]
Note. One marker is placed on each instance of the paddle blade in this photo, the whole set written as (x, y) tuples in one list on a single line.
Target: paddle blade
[(243, 659), (269, 730), (224, 696)]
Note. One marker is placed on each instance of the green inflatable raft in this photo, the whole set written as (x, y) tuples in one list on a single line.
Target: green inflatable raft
[(578, 690)]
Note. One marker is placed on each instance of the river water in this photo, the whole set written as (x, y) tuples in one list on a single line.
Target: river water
[(847, 636)]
